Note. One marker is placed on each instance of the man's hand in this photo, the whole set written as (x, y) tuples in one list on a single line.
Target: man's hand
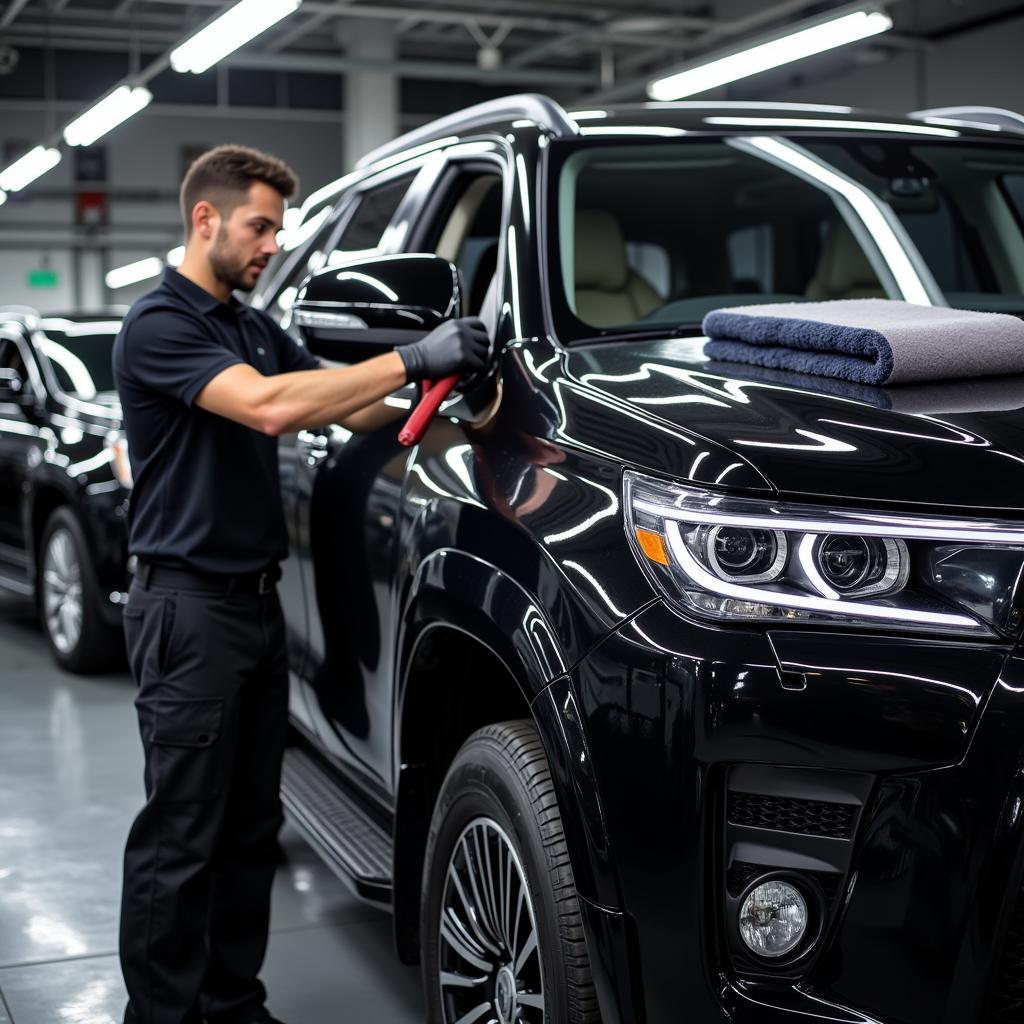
[(457, 346)]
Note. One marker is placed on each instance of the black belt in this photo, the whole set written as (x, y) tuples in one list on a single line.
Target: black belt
[(150, 575)]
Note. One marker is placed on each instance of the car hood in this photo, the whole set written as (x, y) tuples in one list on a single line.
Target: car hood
[(945, 445)]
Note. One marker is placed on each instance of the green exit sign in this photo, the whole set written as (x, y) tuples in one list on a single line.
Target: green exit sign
[(43, 279)]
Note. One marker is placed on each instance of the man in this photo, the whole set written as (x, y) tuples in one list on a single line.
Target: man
[(206, 384)]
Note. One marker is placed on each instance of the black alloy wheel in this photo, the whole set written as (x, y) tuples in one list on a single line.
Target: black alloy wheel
[(70, 599), (500, 930)]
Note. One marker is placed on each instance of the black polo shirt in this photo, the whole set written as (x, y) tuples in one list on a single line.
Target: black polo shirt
[(206, 494)]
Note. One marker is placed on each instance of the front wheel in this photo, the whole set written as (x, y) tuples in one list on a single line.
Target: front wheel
[(500, 930), (69, 599)]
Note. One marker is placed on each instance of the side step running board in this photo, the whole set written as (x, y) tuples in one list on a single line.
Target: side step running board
[(353, 845)]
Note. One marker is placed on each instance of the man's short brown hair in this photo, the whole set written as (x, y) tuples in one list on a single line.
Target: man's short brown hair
[(223, 175)]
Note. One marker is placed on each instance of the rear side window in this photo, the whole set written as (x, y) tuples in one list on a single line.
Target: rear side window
[(377, 206), (1014, 186)]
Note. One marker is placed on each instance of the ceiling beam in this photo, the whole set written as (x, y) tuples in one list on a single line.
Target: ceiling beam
[(296, 32), (330, 64)]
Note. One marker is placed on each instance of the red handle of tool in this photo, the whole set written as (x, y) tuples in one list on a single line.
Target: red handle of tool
[(417, 423)]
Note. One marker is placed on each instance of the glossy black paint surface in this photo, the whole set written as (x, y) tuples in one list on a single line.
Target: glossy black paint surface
[(53, 454), (944, 445), (504, 532), (667, 705)]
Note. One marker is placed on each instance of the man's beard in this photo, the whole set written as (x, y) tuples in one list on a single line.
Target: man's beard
[(227, 267)]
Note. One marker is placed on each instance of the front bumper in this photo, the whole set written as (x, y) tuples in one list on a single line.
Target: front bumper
[(885, 774)]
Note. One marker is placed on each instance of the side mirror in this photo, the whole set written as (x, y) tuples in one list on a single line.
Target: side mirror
[(12, 388), (357, 310)]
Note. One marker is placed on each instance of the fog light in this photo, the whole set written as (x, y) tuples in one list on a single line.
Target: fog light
[(773, 918)]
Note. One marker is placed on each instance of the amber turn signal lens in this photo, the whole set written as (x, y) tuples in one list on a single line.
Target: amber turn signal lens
[(653, 546)]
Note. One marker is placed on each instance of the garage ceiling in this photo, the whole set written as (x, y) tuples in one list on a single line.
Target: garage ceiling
[(58, 51)]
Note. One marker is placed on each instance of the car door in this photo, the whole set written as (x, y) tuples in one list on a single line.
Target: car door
[(323, 457), (354, 492), (20, 443), (308, 253)]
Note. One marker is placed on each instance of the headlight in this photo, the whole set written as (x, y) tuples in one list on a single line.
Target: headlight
[(756, 560)]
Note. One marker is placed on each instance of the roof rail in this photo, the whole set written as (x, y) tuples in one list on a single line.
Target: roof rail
[(988, 117), (543, 110)]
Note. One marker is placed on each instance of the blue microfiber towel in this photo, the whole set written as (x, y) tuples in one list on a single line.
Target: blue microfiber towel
[(868, 341)]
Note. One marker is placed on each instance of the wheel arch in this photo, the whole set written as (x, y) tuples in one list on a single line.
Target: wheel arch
[(47, 497), (467, 612)]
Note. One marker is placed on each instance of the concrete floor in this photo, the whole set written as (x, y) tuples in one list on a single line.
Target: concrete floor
[(70, 784)]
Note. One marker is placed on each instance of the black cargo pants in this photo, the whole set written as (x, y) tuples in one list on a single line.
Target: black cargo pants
[(211, 668)]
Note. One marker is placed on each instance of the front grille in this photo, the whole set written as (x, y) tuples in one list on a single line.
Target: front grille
[(1007, 1003), (783, 814)]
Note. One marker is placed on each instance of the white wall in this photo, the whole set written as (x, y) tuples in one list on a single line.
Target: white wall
[(14, 268)]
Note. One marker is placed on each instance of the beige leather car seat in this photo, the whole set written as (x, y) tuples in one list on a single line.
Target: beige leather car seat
[(843, 271), (607, 291)]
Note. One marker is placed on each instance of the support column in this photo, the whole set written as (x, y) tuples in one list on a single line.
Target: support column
[(371, 96), (93, 291)]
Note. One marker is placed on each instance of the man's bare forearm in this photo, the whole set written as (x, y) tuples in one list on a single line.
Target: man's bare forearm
[(310, 398)]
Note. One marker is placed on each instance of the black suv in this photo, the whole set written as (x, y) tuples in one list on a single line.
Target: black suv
[(643, 688), (64, 480)]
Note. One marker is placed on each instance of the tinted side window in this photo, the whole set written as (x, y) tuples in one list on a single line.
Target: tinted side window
[(11, 357), (1014, 185), (376, 209), (466, 232)]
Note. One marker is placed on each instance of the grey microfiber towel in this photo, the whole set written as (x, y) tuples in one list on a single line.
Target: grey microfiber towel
[(869, 341)]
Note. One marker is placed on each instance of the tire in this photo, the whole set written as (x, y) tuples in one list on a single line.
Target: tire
[(69, 599), (496, 818)]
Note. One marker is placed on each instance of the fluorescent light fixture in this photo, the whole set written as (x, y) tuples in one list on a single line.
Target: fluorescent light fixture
[(234, 28), (175, 256), (817, 38), (886, 232), (32, 165), (821, 122), (132, 273), (107, 114)]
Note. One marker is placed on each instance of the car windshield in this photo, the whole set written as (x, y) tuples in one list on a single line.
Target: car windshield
[(654, 236), (79, 353)]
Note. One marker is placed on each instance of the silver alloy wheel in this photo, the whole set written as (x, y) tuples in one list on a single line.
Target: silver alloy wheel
[(62, 590), (489, 947)]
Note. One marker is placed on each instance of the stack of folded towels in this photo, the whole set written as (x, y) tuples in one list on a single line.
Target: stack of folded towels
[(870, 341)]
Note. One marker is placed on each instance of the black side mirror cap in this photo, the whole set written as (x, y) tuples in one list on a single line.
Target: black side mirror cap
[(358, 310)]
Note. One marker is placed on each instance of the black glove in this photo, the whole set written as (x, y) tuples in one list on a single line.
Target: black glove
[(457, 346)]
